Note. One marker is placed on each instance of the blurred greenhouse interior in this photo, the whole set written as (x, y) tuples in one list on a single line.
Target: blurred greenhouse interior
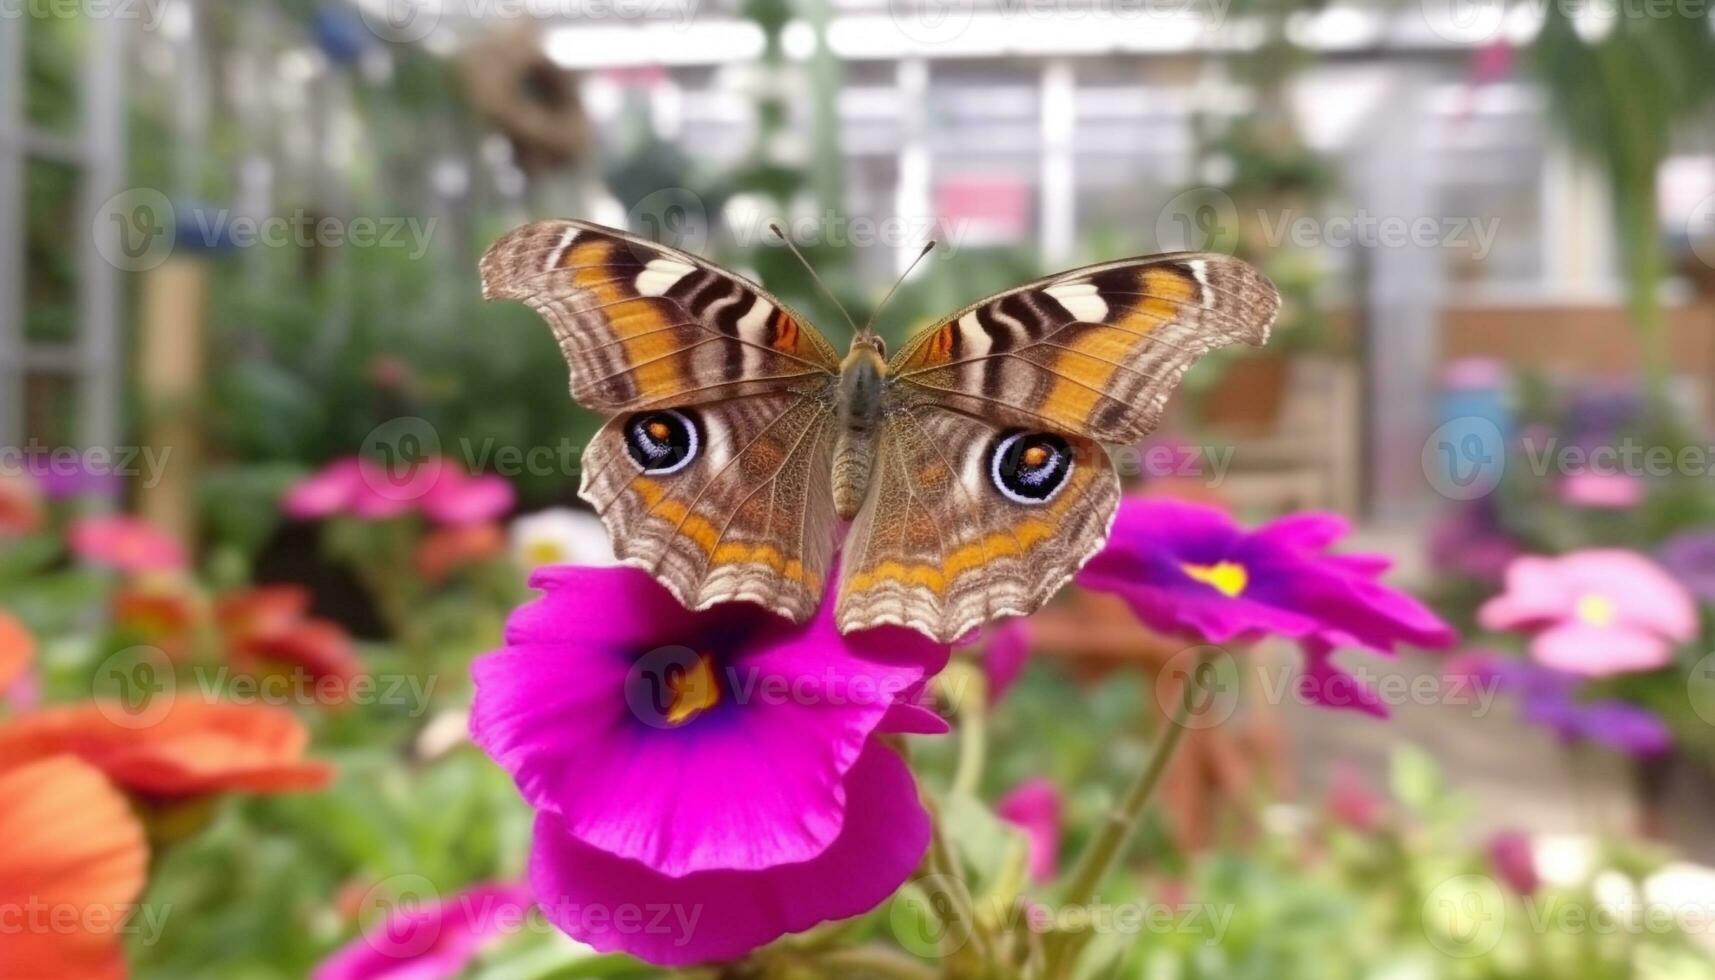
[(239, 245)]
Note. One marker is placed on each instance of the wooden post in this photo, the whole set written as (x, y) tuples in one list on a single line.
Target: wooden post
[(170, 364)]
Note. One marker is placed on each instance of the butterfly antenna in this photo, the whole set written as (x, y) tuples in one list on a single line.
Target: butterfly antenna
[(868, 328), (818, 279)]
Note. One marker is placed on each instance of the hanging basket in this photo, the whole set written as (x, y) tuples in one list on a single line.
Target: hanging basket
[(513, 84)]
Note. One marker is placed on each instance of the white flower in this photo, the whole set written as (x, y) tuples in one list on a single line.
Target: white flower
[(560, 536)]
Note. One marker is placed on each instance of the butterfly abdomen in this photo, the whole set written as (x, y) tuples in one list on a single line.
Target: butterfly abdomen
[(862, 376)]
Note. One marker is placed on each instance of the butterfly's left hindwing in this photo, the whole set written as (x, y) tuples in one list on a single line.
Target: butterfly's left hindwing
[(724, 501)]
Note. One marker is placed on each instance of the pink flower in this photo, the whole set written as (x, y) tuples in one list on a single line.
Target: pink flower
[(430, 940), (375, 491), (724, 763), (126, 543), (329, 491), (1352, 802), (459, 499), (1034, 807), (1596, 612), (1607, 491)]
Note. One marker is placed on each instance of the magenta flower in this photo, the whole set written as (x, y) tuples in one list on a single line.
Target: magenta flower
[(370, 490), (129, 544), (1004, 650), (1512, 858), (1034, 807), (714, 771), (433, 940), (1602, 491), (1190, 569), (1596, 612)]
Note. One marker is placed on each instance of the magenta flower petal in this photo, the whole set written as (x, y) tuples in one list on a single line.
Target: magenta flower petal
[(583, 708), (431, 941), (1326, 684), (1189, 569), (1034, 807), (1005, 652), (716, 915)]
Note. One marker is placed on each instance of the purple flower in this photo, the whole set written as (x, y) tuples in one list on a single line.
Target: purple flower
[(718, 765), (64, 474), (1690, 556), (1550, 698), (430, 941), (1189, 569), (1469, 541)]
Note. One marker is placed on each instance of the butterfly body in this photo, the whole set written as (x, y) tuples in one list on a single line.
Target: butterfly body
[(970, 465), (862, 390)]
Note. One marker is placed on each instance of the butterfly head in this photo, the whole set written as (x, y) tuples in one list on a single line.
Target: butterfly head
[(869, 342)]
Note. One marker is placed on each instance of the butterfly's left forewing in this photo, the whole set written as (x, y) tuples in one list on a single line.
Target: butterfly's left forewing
[(712, 471)]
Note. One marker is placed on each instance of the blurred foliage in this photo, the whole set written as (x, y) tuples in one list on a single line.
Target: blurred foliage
[(1619, 97)]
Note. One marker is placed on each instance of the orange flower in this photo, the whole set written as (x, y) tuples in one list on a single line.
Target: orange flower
[(193, 748), (262, 609), (72, 860), (162, 612), (17, 650), (317, 646), (447, 549), (265, 629)]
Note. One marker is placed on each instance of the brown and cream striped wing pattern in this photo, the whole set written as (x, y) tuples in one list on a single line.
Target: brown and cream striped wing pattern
[(1093, 352), (935, 547), (645, 326)]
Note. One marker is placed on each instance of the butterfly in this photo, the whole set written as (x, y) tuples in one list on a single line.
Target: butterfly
[(970, 464)]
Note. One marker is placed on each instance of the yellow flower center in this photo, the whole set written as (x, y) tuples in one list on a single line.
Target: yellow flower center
[(694, 691), (1596, 610), (1228, 578), (544, 551)]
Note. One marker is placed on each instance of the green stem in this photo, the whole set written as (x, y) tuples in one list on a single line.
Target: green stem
[(961, 919), (973, 732), (1103, 853), (875, 961)]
